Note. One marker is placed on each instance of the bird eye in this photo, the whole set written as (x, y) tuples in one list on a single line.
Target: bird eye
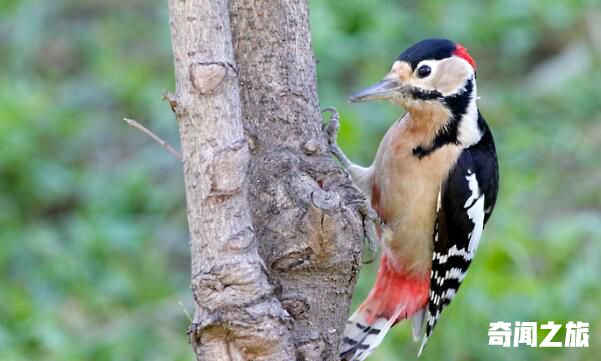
[(423, 71)]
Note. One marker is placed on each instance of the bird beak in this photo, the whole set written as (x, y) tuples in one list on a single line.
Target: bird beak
[(388, 88)]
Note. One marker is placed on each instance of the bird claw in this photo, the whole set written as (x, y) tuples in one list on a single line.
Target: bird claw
[(331, 130), (333, 125), (370, 222)]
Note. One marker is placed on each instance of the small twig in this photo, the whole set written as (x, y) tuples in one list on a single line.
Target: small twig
[(171, 99), (134, 124), (181, 304)]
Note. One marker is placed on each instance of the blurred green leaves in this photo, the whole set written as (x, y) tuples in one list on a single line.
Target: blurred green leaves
[(86, 272)]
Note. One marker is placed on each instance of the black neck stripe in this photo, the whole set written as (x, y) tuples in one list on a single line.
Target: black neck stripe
[(458, 104)]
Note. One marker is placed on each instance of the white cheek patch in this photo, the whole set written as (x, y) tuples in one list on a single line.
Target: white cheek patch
[(447, 77), (453, 73)]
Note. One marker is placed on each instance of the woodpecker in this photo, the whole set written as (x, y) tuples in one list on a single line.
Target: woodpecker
[(433, 184)]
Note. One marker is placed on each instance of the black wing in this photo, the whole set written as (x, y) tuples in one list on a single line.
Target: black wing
[(466, 202)]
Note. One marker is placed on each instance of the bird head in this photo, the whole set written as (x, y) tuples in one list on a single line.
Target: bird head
[(433, 71)]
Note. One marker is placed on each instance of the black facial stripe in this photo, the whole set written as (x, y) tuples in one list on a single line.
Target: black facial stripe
[(416, 93), (457, 104), (428, 49)]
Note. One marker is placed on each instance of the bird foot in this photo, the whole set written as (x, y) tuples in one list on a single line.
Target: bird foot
[(370, 217), (370, 223), (331, 132)]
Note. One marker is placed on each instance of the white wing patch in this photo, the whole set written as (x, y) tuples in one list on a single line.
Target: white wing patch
[(476, 214), (475, 211), (441, 292), (453, 251), (472, 183)]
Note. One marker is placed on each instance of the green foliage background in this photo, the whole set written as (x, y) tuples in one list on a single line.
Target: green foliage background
[(93, 243)]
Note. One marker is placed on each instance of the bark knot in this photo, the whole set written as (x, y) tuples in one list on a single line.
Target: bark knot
[(296, 306), (325, 200), (206, 77), (311, 146), (241, 241), (228, 169)]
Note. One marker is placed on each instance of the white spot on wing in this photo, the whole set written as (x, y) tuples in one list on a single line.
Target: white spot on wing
[(472, 183), (475, 211), (453, 251), (476, 214), (449, 294)]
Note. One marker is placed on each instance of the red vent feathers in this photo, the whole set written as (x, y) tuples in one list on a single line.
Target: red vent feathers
[(461, 52)]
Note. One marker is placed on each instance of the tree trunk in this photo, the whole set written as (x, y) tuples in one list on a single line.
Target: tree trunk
[(275, 234)]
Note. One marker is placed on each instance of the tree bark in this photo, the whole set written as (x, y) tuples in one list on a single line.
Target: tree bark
[(275, 234)]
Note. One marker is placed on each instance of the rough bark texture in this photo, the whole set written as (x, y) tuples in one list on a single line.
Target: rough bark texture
[(259, 178), (310, 238)]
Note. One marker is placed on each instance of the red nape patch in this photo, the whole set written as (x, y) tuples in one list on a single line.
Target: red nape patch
[(461, 52), (395, 291)]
